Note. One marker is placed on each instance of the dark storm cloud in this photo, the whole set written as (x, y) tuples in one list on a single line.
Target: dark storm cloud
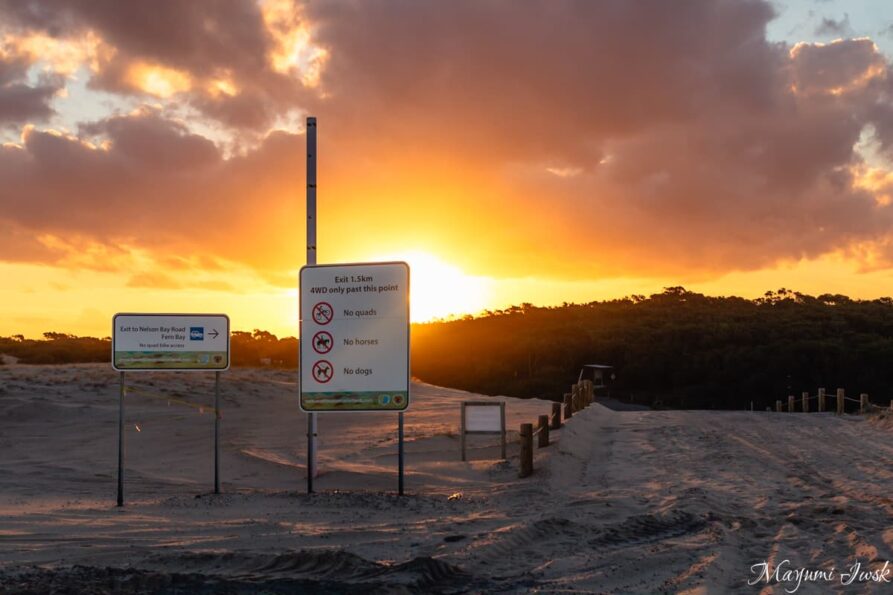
[(834, 28), (540, 78), (151, 142), (685, 138), (215, 38), (191, 35), (21, 102), (154, 185), (702, 145)]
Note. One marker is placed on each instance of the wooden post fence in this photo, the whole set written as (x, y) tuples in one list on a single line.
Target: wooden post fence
[(568, 406), (543, 429), (526, 438), (821, 404), (556, 416), (462, 430)]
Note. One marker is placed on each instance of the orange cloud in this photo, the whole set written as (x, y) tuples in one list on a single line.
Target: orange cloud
[(158, 81), (567, 140)]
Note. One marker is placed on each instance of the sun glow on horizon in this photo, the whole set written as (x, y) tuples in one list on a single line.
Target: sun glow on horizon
[(438, 289)]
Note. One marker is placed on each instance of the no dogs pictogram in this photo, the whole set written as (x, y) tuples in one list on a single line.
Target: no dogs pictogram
[(322, 342), (322, 371), (322, 313)]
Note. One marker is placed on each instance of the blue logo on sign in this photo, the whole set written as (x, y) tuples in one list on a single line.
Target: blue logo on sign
[(196, 333)]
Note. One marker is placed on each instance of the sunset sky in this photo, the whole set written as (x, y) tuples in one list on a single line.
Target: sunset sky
[(512, 151)]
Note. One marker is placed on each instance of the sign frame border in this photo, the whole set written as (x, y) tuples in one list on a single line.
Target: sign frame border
[(408, 338), (228, 341)]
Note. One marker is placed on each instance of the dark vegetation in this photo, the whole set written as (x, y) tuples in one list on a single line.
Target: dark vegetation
[(672, 349), (56, 348), (247, 349)]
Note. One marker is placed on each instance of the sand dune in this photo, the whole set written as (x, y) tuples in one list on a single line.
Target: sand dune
[(624, 502)]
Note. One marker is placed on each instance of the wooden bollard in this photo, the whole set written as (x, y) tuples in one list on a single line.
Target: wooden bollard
[(840, 397), (863, 403), (805, 402), (568, 406), (778, 406), (791, 405), (555, 419), (556, 416), (526, 437), (821, 399), (543, 428), (590, 392)]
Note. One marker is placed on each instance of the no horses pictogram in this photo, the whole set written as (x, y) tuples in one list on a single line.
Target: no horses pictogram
[(322, 342), (323, 313), (322, 371)]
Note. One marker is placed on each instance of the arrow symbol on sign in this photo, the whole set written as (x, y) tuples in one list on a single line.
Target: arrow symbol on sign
[(213, 333)]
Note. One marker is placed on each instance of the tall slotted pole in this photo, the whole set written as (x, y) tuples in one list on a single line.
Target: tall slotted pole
[(311, 260)]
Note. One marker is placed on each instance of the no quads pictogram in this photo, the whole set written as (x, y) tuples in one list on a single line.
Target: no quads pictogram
[(322, 371), (322, 342), (322, 313)]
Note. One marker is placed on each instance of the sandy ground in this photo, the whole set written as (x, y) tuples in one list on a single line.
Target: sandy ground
[(623, 502)]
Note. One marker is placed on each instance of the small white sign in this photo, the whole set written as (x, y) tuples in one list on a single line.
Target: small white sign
[(482, 418), (355, 337), (142, 342)]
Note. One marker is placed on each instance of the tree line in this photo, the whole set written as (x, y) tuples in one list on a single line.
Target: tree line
[(257, 348), (676, 349)]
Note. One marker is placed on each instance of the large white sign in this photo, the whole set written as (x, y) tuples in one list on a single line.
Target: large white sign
[(170, 342), (355, 337)]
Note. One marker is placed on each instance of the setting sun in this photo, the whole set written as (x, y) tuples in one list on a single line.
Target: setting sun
[(439, 289)]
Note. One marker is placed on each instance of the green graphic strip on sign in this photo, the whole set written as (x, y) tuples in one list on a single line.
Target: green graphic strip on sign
[(346, 401), (141, 360)]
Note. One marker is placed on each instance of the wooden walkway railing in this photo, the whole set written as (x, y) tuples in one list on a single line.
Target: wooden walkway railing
[(821, 399), (580, 397)]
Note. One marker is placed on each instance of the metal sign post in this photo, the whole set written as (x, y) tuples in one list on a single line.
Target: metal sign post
[(311, 260), (400, 453), (217, 432), (121, 443)]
